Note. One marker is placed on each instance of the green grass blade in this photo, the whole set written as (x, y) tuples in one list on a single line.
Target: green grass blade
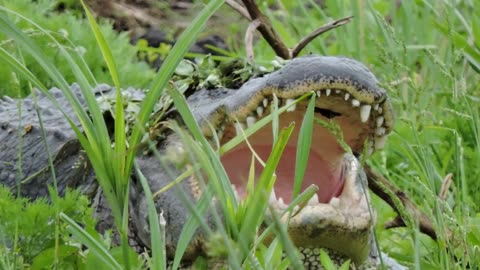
[(223, 185), (299, 200), (326, 261), (257, 126), (94, 246), (20, 69), (31, 48), (207, 162), (303, 146), (287, 244), (157, 235), (168, 67), (98, 144), (264, 186), (120, 148), (105, 48)]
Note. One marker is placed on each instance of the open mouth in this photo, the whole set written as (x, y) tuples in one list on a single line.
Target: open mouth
[(346, 93), (362, 128), (337, 217)]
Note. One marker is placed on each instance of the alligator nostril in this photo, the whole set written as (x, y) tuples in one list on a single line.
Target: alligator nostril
[(327, 113)]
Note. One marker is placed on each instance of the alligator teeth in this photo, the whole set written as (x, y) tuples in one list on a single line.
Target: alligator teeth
[(239, 127), (368, 146), (338, 91), (355, 103), (375, 107), (335, 202), (220, 133), (235, 191), (313, 200), (328, 91), (260, 111), (380, 110), (379, 121), (273, 197), (319, 93), (288, 102), (380, 131), (347, 96), (380, 142), (370, 151), (281, 203), (365, 113), (265, 102), (250, 121)]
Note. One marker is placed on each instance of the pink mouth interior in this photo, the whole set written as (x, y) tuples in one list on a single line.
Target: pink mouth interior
[(324, 163)]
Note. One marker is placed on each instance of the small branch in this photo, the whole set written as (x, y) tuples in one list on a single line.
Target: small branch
[(378, 183), (238, 8), (249, 38), (325, 28), (267, 31)]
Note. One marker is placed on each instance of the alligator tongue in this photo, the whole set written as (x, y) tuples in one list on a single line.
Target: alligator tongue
[(325, 174)]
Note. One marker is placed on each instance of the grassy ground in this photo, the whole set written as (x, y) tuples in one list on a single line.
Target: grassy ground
[(425, 53)]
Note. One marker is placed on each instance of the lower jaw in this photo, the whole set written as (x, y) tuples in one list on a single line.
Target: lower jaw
[(343, 225)]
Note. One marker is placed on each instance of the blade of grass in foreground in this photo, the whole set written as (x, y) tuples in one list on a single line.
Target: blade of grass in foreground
[(120, 180), (166, 71), (303, 146), (203, 157), (120, 136), (94, 246), (157, 235), (258, 202), (96, 141)]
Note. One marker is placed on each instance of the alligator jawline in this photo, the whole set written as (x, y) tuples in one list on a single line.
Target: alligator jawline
[(330, 168), (348, 94)]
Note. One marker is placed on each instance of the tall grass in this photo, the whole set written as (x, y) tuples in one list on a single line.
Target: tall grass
[(425, 53), (112, 166)]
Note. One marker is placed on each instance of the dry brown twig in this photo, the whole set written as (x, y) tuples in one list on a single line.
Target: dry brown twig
[(252, 13), (249, 38), (384, 189), (237, 7), (323, 29)]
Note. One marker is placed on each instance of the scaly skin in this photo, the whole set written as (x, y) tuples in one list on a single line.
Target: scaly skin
[(346, 91)]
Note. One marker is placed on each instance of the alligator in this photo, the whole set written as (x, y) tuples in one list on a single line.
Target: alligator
[(337, 218)]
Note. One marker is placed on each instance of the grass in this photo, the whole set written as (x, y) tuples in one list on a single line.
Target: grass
[(425, 53)]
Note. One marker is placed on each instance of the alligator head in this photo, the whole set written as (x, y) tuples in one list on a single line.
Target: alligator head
[(347, 93)]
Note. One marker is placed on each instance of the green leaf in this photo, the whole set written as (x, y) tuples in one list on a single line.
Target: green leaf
[(265, 182), (46, 259), (168, 68), (345, 265), (157, 226), (94, 245), (303, 146), (326, 261), (94, 261)]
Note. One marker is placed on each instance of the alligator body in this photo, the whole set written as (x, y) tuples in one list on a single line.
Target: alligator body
[(336, 218)]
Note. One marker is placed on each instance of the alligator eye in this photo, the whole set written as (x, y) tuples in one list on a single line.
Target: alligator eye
[(327, 113)]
